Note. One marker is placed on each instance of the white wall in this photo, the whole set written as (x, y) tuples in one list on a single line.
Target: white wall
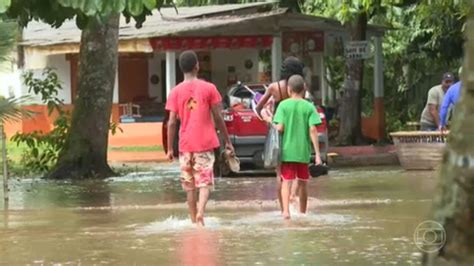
[(154, 67), (62, 67), (38, 62), (221, 59), (10, 82), (116, 89)]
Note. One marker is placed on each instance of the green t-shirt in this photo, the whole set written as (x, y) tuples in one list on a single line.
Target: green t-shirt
[(296, 116)]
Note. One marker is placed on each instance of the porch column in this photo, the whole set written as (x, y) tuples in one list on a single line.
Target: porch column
[(170, 71), (116, 99), (116, 89), (276, 57), (322, 81), (379, 112)]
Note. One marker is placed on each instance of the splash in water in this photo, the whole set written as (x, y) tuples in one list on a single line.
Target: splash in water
[(174, 224)]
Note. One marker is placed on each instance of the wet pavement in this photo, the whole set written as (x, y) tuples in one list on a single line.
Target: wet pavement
[(356, 217)]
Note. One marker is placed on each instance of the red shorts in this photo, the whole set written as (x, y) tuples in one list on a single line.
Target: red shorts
[(292, 171)]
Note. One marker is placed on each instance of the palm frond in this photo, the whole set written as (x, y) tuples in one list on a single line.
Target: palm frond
[(11, 109)]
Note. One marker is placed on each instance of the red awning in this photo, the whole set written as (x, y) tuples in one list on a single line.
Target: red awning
[(231, 42)]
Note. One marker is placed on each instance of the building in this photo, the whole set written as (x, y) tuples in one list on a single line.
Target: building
[(239, 42)]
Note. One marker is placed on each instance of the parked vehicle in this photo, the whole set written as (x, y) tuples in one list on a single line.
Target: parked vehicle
[(247, 132)]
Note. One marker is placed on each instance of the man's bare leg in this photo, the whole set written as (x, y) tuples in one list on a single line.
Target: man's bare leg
[(303, 195), (285, 195), (191, 198), (203, 198)]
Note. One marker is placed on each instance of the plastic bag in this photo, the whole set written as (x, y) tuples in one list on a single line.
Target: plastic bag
[(272, 150)]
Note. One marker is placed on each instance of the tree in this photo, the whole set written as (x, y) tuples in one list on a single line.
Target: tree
[(85, 153), (454, 204), (423, 29), (426, 36), (355, 16)]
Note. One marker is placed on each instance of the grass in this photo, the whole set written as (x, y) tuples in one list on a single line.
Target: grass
[(15, 151), (17, 167), (137, 148)]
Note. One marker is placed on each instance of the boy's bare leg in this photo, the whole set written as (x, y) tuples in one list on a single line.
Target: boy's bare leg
[(191, 197), (294, 193), (279, 184), (285, 195), (303, 195), (203, 198)]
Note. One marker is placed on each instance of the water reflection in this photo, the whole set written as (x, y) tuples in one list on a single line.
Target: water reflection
[(6, 213), (198, 247), (93, 193), (355, 217)]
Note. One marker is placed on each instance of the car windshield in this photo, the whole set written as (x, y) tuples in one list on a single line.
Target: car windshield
[(240, 97)]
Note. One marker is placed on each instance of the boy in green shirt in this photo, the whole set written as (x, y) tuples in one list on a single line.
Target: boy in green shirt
[(296, 118)]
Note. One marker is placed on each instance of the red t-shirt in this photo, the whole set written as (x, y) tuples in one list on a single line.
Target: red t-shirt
[(192, 101)]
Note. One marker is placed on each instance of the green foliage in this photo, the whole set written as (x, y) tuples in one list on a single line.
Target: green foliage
[(55, 12), (334, 66), (435, 28), (11, 110), (137, 148), (4, 4), (427, 42), (47, 88), (8, 32), (348, 10), (43, 148), (212, 2)]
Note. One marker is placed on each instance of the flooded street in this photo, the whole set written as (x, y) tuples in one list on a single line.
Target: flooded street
[(356, 217)]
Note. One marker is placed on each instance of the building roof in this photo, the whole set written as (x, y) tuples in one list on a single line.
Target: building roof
[(244, 19)]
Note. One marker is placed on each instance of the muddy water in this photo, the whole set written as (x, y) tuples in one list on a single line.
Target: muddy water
[(356, 217)]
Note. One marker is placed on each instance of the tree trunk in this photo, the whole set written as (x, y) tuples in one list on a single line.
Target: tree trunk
[(454, 205), (350, 131), (85, 152)]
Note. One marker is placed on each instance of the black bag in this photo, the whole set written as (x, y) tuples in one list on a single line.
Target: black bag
[(318, 170)]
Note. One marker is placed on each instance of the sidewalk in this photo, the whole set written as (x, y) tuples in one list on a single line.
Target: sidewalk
[(353, 156), (137, 135)]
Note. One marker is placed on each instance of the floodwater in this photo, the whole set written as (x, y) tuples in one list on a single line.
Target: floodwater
[(356, 217)]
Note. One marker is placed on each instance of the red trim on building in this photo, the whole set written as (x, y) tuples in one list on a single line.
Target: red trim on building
[(231, 42)]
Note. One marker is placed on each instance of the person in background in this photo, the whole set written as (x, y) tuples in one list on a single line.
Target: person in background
[(430, 116), (297, 119), (197, 104), (450, 99), (279, 92)]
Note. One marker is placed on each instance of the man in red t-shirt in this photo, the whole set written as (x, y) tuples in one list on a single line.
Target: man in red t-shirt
[(197, 104)]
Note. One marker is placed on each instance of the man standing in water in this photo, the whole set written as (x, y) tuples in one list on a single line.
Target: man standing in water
[(430, 116), (195, 103), (297, 119)]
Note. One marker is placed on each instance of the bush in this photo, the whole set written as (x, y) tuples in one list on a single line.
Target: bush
[(43, 148)]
